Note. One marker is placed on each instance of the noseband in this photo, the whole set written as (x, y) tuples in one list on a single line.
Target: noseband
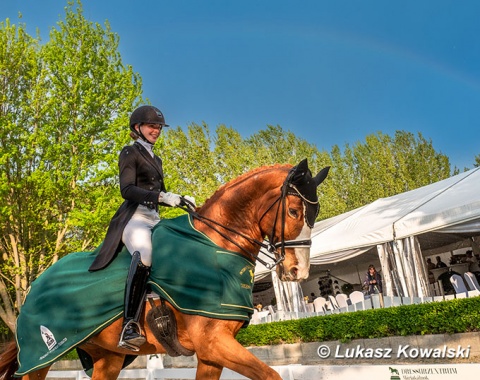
[(271, 246)]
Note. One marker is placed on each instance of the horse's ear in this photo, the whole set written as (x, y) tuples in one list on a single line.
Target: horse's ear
[(302, 167), (322, 174), (298, 172)]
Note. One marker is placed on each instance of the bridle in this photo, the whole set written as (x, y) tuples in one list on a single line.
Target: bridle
[(270, 246)]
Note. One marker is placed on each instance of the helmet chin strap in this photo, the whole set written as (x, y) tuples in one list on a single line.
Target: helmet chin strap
[(148, 142)]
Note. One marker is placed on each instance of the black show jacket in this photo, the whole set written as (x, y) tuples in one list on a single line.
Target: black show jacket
[(141, 181)]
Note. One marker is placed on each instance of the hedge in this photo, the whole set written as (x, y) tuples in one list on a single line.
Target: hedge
[(446, 317)]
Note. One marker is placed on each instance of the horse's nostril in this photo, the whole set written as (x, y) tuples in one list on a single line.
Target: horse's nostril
[(294, 272)]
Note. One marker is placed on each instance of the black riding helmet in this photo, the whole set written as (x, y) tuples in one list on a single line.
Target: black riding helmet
[(146, 115)]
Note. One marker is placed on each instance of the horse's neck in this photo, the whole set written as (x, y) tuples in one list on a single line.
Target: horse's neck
[(239, 207)]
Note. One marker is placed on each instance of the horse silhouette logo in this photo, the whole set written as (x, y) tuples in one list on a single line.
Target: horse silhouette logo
[(393, 371), (394, 374)]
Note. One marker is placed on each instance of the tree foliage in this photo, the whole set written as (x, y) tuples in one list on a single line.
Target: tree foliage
[(384, 166), (20, 71), (62, 107)]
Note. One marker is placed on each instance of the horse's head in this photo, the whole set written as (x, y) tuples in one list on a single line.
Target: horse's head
[(276, 202), (291, 217)]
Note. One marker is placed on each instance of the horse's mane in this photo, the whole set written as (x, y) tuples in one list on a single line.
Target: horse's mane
[(245, 176)]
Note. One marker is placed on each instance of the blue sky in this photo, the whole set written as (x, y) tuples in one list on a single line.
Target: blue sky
[(332, 72)]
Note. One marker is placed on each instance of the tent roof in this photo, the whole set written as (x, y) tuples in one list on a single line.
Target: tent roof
[(451, 205)]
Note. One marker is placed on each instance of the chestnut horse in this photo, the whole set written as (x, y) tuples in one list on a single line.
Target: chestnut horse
[(278, 203)]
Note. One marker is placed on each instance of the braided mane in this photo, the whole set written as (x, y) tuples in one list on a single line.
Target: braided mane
[(244, 177)]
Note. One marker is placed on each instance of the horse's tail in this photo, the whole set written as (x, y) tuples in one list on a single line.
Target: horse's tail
[(8, 361)]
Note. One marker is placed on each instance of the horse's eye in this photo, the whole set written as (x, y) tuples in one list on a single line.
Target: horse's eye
[(293, 213)]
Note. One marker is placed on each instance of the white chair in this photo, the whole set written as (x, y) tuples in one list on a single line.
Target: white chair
[(341, 300), (333, 303), (309, 308), (255, 317), (319, 304), (358, 300), (329, 307), (471, 281), (271, 311), (458, 284)]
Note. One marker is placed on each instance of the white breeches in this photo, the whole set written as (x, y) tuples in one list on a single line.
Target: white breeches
[(137, 235)]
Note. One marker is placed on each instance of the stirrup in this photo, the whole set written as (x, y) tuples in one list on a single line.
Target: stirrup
[(128, 345), (123, 344)]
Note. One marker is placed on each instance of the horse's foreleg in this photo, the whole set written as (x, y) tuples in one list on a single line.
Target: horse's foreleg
[(225, 351), (108, 367), (37, 375), (216, 347), (207, 370), (106, 364)]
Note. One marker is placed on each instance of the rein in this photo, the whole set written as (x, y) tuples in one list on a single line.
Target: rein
[(271, 247)]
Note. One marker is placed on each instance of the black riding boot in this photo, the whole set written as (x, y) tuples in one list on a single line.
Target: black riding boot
[(135, 291)]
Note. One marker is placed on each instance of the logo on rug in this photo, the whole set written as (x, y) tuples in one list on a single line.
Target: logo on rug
[(48, 337)]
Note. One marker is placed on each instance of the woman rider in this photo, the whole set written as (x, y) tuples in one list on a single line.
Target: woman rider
[(142, 186)]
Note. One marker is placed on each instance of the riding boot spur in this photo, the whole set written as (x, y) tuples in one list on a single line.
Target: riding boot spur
[(135, 291)]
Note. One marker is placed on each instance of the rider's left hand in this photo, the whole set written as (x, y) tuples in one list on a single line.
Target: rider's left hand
[(189, 202)]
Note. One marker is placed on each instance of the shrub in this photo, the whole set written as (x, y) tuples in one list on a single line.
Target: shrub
[(446, 317)]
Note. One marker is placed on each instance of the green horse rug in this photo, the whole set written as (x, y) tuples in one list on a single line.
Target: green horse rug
[(68, 304)]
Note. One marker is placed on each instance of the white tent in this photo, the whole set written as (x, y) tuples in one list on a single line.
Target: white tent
[(451, 206)]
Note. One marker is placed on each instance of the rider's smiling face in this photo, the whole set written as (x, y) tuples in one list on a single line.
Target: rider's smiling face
[(150, 131)]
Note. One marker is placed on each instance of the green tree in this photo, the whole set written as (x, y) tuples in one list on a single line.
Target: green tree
[(233, 155), (383, 166), (275, 145), (477, 161), (91, 93), (19, 71), (375, 172), (188, 163), (339, 176), (64, 116), (417, 161)]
